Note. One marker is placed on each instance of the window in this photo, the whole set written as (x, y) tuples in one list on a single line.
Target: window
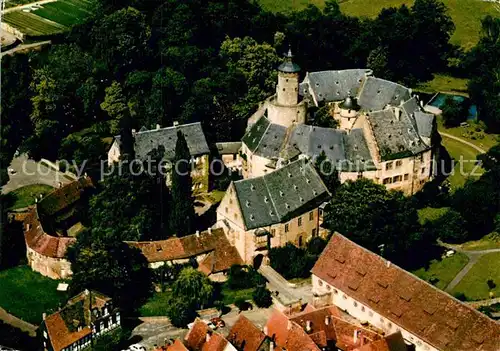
[(399, 163), (299, 220), (230, 201), (328, 287), (273, 232), (381, 320), (388, 166), (286, 228), (355, 304), (406, 176), (344, 297), (387, 181), (314, 232), (226, 210), (397, 179), (423, 170), (335, 291), (311, 215), (235, 216), (362, 308), (370, 314), (320, 282)]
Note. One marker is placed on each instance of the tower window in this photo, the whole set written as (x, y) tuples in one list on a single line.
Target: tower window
[(283, 89), (286, 80)]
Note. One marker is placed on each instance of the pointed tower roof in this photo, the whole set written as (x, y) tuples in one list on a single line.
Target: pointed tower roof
[(289, 66)]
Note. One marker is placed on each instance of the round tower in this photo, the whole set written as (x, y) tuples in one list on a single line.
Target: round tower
[(287, 90)]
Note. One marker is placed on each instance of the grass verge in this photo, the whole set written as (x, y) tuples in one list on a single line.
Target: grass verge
[(465, 166), (487, 242), (27, 294), (441, 272), (474, 284), (430, 214), (25, 196)]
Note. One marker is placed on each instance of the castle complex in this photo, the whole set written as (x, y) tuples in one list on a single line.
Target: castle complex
[(383, 133)]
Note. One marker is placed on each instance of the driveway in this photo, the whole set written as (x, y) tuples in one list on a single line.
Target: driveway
[(28, 172), (475, 147)]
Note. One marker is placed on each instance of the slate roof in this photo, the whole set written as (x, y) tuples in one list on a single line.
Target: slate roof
[(312, 141), (245, 336), (395, 138), (357, 152), (416, 306), (265, 138), (280, 195), (62, 326), (425, 123), (334, 85), (378, 93), (146, 141)]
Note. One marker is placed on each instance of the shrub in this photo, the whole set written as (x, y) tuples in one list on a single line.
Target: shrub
[(460, 296), (241, 304), (244, 277), (450, 227), (262, 297), (454, 112)]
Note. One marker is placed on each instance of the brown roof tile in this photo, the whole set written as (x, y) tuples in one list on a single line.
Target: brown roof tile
[(416, 306), (216, 342), (177, 346), (245, 336), (196, 336)]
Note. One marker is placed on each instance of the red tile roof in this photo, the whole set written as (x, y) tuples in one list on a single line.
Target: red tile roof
[(196, 336), (177, 346), (245, 336), (41, 242), (221, 259), (414, 305), (216, 342), (288, 335), (63, 197), (60, 330)]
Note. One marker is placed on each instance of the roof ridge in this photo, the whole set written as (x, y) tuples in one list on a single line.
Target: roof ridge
[(272, 199), (444, 293), (168, 128), (265, 131)]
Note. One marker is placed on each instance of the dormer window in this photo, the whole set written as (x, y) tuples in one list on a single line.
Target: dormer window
[(247, 203), (282, 193)]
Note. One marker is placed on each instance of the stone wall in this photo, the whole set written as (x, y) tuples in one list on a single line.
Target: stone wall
[(54, 268)]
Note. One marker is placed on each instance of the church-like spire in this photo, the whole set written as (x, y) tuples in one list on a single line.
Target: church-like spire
[(289, 66)]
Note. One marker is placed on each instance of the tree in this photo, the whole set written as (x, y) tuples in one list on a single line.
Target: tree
[(182, 215), (378, 62), (193, 287), (324, 118), (115, 106), (262, 297), (451, 228), (291, 261), (328, 172), (180, 312), (454, 112), (383, 221), (102, 262)]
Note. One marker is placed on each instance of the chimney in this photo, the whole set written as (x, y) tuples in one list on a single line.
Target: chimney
[(397, 112), (327, 320), (265, 330), (207, 337), (87, 292), (157, 126), (197, 233), (308, 326), (176, 123), (44, 315), (289, 325), (28, 227), (271, 346), (388, 264), (209, 230), (355, 336)]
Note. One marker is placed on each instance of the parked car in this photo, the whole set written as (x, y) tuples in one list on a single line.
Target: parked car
[(136, 347), (218, 322), (12, 171)]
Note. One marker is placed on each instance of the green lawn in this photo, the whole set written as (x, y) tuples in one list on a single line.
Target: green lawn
[(474, 284), (27, 294), (31, 24), (490, 241), (444, 83), (25, 196), (466, 14), (441, 272), (464, 157), (429, 214), (65, 12), (473, 133), (157, 304)]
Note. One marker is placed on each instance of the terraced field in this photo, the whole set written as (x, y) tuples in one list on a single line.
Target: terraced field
[(51, 18)]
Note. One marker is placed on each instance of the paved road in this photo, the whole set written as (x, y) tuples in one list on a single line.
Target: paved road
[(17, 323), (23, 47), (481, 150), (155, 331), (30, 172), (473, 258), (25, 6), (286, 293)]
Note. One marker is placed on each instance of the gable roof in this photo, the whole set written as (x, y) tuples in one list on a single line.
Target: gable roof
[(425, 123), (378, 93), (196, 336), (146, 141), (245, 335), (312, 141), (73, 321), (280, 195), (416, 306), (265, 138), (334, 85), (396, 137)]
